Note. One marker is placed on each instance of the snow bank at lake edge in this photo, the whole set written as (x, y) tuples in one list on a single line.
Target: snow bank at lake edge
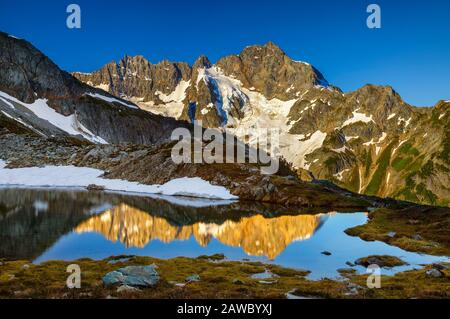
[(71, 176)]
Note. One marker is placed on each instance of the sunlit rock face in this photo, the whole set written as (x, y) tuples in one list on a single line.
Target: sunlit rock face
[(257, 235)]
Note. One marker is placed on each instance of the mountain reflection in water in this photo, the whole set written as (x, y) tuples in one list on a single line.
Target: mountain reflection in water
[(32, 221), (256, 235), (41, 225)]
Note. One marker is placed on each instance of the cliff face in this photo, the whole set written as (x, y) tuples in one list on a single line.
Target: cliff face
[(369, 141), (45, 100)]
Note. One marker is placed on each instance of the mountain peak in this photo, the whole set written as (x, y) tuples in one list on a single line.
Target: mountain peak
[(202, 62), (271, 45)]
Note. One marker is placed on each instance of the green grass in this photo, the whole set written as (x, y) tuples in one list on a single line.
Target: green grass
[(368, 161), (407, 148), (383, 163), (431, 224), (427, 170), (400, 163)]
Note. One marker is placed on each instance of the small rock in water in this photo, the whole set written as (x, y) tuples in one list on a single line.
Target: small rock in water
[(135, 276), (193, 278), (326, 253), (392, 234), (435, 273), (349, 263), (380, 261), (93, 187), (126, 288)]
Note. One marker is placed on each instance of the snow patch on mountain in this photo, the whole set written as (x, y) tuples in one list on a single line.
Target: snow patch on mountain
[(349, 138), (68, 124), (260, 113), (71, 176), (111, 100), (377, 143), (358, 117), (340, 150), (398, 146), (23, 123), (402, 120), (172, 103), (340, 175), (391, 116), (102, 86), (227, 90), (178, 95)]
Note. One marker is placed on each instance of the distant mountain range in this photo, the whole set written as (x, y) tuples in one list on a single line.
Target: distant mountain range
[(368, 141)]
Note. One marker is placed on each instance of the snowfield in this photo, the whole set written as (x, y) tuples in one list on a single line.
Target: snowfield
[(358, 117), (71, 176), (68, 124), (260, 113), (111, 100)]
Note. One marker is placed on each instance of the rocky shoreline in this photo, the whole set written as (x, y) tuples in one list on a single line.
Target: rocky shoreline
[(207, 277), (153, 165)]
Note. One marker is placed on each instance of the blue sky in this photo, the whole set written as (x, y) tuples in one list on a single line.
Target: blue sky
[(411, 51)]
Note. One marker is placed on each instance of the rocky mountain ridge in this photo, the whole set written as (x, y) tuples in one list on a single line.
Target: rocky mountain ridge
[(369, 141), (49, 102)]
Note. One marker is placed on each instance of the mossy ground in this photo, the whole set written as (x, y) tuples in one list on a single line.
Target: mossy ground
[(380, 260), (219, 279), (418, 229)]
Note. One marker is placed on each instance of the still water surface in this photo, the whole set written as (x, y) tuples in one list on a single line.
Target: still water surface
[(44, 225)]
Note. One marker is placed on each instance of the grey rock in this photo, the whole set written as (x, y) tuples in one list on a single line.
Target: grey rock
[(126, 288), (93, 187), (326, 253), (193, 278), (435, 273), (439, 266), (135, 276), (267, 274), (392, 234), (238, 282)]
